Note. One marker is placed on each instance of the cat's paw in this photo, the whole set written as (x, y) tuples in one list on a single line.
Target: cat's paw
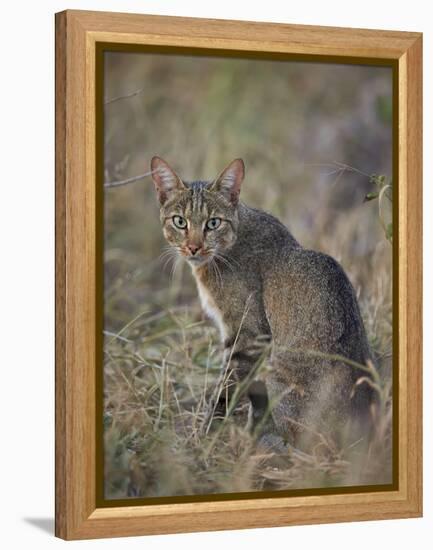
[(133, 490)]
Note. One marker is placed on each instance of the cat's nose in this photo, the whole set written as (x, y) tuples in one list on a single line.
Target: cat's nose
[(193, 248)]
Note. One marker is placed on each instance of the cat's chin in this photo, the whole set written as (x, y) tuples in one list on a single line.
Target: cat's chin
[(197, 261)]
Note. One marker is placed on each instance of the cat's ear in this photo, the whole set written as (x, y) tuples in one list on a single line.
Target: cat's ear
[(228, 183), (165, 179)]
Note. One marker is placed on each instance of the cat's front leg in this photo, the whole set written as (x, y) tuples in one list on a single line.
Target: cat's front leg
[(241, 361), (223, 392)]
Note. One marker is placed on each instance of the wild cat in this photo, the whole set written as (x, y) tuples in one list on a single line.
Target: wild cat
[(258, 284)]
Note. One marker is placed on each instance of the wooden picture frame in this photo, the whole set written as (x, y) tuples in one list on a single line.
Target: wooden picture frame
[(79, 34)]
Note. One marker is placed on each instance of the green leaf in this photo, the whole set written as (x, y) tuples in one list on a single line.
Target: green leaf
[(378, 179), (389, 231), (370, 196)]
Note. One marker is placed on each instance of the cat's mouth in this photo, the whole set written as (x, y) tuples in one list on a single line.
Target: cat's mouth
[(200, 257)]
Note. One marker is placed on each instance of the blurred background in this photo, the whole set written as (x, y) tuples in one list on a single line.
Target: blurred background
[(317, 142)]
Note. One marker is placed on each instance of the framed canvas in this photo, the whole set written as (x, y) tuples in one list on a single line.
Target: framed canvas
[(238, 274)]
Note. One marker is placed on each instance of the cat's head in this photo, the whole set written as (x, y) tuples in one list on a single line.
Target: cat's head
[(199, 218)]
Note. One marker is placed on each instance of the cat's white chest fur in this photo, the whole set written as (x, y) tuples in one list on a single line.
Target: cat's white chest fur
[(210, 308)]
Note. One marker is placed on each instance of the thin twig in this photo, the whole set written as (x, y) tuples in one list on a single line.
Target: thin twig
[(339, 167), (128, 180), (109, 333), (118, 98), (131, 322)]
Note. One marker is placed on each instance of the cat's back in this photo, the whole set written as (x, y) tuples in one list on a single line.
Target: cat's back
[(283, 259), (308, 298), (262, 236), (312, 301)]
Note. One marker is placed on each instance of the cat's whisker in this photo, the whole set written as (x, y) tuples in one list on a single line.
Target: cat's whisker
[(224, 260), (217, 273), (211, 263), (175, 265), (168, 260), (167, 252), (170, 254), (230, 260), (217, 270)]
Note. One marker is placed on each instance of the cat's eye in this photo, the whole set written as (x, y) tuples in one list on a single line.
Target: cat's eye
[(213, 223), (179, 222)]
